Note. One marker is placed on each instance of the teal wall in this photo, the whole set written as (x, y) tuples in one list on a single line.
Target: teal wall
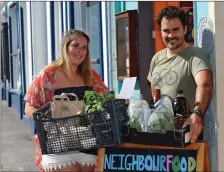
[(120, 7), (200, 10)]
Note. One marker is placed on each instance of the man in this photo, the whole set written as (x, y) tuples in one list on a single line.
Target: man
[(181, 66)]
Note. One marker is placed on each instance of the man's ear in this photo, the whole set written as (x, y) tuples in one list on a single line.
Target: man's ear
[(185, 29)]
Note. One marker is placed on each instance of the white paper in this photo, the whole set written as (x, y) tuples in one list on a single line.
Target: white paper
[(127, 88)]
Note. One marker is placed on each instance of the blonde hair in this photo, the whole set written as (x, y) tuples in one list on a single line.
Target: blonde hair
[(64, 61)]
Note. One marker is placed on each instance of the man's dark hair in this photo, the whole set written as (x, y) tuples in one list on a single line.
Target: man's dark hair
[(171, 12)]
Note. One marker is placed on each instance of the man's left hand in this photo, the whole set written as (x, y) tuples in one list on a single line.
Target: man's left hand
[(196, 126)]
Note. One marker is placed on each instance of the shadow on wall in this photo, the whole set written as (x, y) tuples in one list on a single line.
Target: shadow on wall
[(208, 46), (207, 42)]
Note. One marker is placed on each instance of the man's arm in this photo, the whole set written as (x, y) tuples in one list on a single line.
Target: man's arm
[(203, 95), (203, 80), (153, 90)]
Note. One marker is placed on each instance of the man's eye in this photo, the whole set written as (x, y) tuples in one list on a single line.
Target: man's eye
[(176, 29), (84, 48), (166, 31)]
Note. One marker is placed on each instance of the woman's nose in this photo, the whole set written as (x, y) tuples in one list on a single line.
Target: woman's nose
[(78, 49)]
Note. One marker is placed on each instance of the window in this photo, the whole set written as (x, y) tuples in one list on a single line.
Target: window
[(91, 24), (14, 34), (5, 52)]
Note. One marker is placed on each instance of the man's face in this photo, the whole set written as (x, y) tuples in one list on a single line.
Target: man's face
[(172, 33)]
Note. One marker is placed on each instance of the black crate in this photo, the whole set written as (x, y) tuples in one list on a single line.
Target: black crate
[(81, 132), (174, 138)]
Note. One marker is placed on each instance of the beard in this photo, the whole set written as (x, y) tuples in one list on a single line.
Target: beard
[(174, 46)]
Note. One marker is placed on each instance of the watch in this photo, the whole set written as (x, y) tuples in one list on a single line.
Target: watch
[(198, 113)]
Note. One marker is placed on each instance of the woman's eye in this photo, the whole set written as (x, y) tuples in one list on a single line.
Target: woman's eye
[(74, 45)]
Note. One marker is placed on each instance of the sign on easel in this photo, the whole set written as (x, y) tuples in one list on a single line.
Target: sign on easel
[(136, 157), (141, 159)]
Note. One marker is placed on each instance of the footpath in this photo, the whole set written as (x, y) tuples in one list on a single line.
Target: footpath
[(17, 145)]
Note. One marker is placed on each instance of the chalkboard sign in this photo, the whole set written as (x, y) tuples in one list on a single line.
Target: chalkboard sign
[(149, 159)]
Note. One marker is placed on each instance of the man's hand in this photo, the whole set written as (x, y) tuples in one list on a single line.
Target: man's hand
[(196, 126)]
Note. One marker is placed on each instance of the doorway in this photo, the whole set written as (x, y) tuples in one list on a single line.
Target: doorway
[(91, 23)]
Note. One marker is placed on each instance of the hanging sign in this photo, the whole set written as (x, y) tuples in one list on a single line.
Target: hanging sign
[(205, 35)]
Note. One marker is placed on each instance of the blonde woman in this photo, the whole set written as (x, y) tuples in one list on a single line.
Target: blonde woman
[(70, 73)]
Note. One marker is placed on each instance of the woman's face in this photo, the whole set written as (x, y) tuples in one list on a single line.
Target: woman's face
[(77, 50)]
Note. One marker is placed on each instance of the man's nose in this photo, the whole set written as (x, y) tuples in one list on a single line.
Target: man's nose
[(170, 35)]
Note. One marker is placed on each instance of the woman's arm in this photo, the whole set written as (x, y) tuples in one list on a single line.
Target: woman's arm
[(40, 92), (98, 84), (29, 110)]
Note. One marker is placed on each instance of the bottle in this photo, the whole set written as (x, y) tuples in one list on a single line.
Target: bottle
[(181, 105), (151, 103), (181, 110), (157, 95)]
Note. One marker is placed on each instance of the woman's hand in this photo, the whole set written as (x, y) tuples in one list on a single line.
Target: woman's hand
[(126, 101)]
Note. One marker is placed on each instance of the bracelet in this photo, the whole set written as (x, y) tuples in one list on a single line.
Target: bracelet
[(198, 113)]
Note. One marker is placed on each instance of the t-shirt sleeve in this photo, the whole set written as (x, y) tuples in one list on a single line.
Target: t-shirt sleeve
[(200, 62), (98, 84), (37, 91), (152, 65)]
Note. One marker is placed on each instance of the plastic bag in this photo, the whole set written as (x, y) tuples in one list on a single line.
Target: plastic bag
[(137, 111), (161, 118)]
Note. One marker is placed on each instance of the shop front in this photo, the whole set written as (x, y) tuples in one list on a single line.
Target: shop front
[(199, 14)]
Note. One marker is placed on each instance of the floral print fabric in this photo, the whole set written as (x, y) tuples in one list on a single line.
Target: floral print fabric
[(43, 86)]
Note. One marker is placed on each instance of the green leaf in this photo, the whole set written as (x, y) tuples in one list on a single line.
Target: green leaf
[(93, 101), (87, 108)]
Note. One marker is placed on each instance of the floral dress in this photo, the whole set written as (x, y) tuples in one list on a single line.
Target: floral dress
[(42, 91)]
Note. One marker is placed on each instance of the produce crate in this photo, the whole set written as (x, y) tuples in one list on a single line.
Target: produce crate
[(175, 138), (83, 131)]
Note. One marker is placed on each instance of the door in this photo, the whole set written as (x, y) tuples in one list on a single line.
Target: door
[(91, 23), (157, 7)]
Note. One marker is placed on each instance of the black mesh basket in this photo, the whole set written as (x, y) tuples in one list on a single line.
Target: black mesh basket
[(81, 132)]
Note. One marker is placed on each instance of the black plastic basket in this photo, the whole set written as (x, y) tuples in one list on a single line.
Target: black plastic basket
[(81, 132)]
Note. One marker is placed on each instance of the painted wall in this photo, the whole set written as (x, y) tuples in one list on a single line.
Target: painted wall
[(58, 30), (39, 35), (27, 59), (219, 37), (28, 43), (131, 5), (213, 11)]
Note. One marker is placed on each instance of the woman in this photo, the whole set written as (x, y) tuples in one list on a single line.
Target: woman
[(70, 73)]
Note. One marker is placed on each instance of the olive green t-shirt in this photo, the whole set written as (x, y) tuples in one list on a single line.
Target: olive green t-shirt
[(177, 72)]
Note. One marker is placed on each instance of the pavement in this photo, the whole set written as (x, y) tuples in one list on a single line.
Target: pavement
[(17, 145)]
